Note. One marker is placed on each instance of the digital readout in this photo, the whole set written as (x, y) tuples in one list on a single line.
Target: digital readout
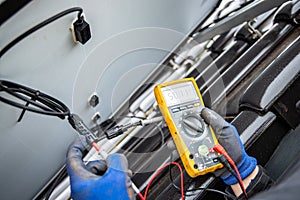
[(179, 93)]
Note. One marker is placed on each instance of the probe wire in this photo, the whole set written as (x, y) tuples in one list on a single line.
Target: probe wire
[(198, 188), (220, 149), (137, 191), (159, 171)]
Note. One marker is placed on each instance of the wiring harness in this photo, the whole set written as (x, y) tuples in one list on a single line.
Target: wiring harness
[(35, 101)]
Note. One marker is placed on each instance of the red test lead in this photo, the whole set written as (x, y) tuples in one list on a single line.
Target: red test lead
[(220, 149)]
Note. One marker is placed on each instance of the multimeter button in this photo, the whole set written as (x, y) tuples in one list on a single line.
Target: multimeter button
[(196, 104), (174, 110), (215, 160), (203, 150), (182, 107), (190, 106)]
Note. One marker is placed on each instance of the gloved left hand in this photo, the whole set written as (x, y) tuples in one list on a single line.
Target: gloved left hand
[(115, 183)]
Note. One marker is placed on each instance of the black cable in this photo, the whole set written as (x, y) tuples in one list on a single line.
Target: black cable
[(35, 100), (199, 188), (40, 25), (170, 174), (215, 191), (62, 174)]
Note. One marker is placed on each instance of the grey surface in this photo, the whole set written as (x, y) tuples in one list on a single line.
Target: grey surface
[(287, 153), (129, 38)]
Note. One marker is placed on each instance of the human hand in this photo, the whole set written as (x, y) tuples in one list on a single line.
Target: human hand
[(115, 182), (228, 137)]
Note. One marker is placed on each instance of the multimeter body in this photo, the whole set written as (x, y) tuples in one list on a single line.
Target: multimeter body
[(181, 104)]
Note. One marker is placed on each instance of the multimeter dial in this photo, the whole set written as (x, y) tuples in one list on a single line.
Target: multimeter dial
[(195, 134), (193, 125)]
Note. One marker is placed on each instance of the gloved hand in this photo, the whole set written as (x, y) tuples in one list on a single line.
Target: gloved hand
[(114, 184), (228, 137)]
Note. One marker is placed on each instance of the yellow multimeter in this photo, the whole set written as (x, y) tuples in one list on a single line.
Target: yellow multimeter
[(180, 103)]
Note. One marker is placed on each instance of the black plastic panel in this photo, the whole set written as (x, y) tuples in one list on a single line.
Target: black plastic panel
[(274, 81), (246, 63), (288, 105), (250, 125)]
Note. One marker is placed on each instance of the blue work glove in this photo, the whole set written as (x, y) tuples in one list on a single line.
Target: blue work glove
[(228, 137), (114, 184)]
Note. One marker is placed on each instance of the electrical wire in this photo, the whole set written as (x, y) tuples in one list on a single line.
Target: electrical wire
[(40, 25), (40, 102), (134, 187), (215, 191), (220, 149), (159, 171), (199, 188), (61, 174), (170, 173), (231, 170)]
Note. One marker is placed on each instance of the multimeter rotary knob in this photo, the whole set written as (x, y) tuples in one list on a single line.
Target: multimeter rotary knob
[(193, 125)]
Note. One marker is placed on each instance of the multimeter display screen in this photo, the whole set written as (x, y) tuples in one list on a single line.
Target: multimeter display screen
[(179, 93)]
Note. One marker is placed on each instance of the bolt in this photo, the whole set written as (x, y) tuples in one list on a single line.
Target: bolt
[(94, 100)]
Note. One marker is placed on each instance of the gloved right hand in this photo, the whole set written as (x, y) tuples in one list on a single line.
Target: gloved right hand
[(85, 185), (228, 137)]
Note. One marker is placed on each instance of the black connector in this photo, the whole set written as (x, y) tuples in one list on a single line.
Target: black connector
[(78, 124), (44, 23), (119, 130), (114, 132), (226, 164), (82, 30)]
